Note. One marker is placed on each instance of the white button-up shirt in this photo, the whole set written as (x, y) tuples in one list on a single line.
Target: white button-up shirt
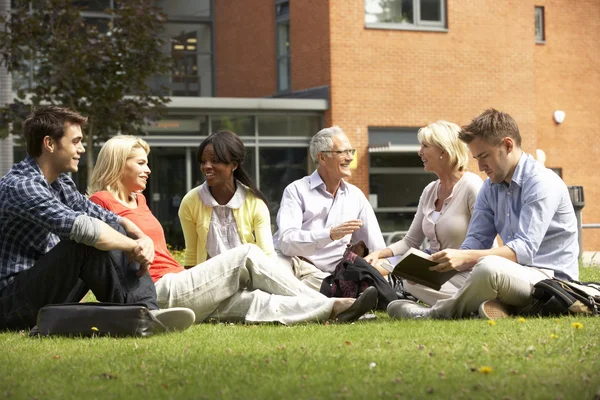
[(223, 234), (307, 214)]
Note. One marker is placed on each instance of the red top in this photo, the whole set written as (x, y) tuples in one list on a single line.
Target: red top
[(164, 263)]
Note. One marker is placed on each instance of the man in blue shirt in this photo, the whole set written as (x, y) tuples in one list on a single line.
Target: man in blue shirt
[(55, 243), (526, 204)]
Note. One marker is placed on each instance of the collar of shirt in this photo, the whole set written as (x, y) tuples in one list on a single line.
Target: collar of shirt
[(33, 168), (521, 169), (316, 181), (519, 172), (238, 199)]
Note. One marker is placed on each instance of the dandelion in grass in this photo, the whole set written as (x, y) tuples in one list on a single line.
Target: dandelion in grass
[(486, 370), (577, 325), (553, 336), (491, 322), (521, 320), (95, 329)]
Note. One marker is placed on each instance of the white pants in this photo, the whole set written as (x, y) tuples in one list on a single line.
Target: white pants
[(243, 284), (492, 278), (306, 272), (431, 296)]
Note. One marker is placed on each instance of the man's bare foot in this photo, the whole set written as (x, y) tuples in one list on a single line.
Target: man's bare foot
[(366, 302), (341, 305)]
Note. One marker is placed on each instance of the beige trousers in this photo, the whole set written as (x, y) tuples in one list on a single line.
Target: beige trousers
[(492, 277), (306, 272), (431, 296), (243, 284)]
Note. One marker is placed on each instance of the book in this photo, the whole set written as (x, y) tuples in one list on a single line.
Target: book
[(414, 266)]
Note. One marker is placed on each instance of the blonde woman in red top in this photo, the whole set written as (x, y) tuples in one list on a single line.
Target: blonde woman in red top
[(241, 284)]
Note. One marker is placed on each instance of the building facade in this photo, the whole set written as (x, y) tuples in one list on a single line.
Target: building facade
[(276, 71), (392, 66)]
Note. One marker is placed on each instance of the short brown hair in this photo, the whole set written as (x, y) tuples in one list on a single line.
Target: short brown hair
[(492, 126), (48, 121)]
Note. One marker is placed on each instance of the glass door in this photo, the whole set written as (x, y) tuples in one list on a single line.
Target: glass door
[(165, 190)]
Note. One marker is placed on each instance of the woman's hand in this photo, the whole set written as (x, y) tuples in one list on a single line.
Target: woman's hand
[(372, 257)]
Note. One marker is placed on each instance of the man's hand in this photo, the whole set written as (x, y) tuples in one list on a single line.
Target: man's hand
[(347, 228), (451, 259), (143, 254)]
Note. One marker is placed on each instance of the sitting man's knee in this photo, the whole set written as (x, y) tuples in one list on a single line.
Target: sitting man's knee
[(486, 268)]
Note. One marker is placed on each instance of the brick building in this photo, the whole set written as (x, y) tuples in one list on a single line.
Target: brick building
[(276, 71), (389, 67)]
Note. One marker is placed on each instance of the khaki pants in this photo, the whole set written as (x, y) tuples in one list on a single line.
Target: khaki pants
[(306, 272), (243, 284), (431, 296), (492, 278)]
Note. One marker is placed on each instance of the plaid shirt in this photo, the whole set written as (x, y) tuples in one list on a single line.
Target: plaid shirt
[(35, 215)]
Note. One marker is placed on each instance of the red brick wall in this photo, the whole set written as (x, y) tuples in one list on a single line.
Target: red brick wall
[(488, 58), (309, 43), (245, 48), (409, 78), (567, 78)]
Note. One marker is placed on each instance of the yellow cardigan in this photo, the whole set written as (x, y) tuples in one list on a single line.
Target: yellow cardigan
[(252, 219)]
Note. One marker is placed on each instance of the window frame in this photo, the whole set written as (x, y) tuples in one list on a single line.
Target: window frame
[(540, 17), (418, 24), (279, 21)]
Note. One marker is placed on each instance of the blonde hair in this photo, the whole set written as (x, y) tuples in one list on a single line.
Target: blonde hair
[(111, 162), (444, 135)]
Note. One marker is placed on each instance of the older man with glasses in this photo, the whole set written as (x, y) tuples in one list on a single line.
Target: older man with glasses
[(321, 213)]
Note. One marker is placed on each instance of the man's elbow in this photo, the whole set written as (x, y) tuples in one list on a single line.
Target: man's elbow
[(286, 248)]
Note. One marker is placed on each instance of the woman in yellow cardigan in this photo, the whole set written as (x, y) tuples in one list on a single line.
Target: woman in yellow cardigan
[(227, 210)]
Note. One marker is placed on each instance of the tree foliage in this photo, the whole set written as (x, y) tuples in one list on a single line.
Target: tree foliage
[(99, 67)]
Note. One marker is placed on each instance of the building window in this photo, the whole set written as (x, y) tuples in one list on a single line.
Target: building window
[(188, 40), (396, 177), (282, 44), (540, 34), (406, 14)]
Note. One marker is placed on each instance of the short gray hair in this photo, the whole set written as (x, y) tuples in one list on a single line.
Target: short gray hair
[(323, 141)]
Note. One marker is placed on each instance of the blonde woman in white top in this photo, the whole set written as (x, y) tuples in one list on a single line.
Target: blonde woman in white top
[(445, 207)]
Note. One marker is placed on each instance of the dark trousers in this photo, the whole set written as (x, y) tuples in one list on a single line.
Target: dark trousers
[(64, 274)]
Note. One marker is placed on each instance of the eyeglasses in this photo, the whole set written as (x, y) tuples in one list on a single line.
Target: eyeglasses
[(347, 152)]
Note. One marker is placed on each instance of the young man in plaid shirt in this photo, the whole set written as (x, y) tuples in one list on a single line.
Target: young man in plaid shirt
[(55, 244)]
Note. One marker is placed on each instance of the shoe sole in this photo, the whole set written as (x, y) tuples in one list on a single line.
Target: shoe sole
[(396, 304), (493, 309), (176, 319)]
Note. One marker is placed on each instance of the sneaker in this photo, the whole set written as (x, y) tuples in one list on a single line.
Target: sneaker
[(176, 318), (406, 309), (493, 309)]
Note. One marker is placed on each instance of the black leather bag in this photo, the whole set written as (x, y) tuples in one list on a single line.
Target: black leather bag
[(553, 297), (96, 319)]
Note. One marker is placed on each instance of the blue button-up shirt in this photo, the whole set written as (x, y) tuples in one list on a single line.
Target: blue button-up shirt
[(35, 215), (533, 215)]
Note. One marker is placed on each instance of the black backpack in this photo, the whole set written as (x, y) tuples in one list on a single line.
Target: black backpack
[(558, 297), (352, 276)]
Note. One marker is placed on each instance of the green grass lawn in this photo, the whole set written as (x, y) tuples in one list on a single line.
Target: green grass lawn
[(517, 359)]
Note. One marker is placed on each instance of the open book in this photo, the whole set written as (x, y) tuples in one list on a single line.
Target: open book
[(414, 266)]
